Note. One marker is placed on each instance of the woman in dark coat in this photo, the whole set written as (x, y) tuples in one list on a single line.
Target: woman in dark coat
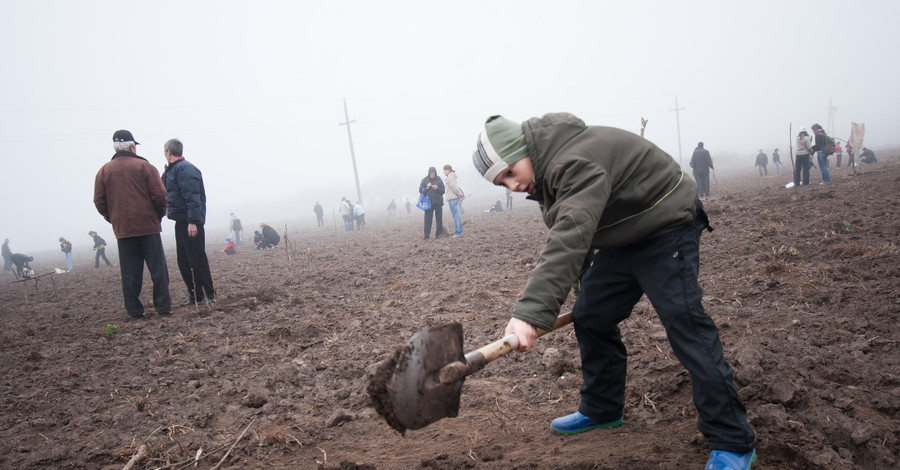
[(433, 187)]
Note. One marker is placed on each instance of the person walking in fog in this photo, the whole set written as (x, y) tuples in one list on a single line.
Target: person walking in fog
[(129, 193), (66, 247), (7, 255), (392, 208), (320, 214), (701, 163), (776, 160), (454, 196), (100, 249), (762, 163), (623, 222), (802, 161), (433, 187), (236, 229), (408, 206), (187, 207)]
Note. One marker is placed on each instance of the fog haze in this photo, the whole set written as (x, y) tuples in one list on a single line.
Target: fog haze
[(256, 91)]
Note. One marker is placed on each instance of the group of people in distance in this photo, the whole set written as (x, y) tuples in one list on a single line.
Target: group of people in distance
[(21, 261), (437, 190), (762, 162), (820, 145), (266, 237), (351, 214)]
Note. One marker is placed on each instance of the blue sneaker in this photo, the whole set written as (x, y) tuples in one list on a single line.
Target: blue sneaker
[(721, 460), (577, 422)]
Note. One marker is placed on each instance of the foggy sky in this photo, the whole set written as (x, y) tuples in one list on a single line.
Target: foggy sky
[(255, 90)]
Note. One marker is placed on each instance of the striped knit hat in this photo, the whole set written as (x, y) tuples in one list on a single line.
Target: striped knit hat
[(500, 145)]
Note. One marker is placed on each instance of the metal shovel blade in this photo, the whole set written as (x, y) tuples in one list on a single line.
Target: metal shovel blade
[(417, 397)]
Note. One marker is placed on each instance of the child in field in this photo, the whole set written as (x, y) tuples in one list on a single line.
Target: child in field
[(624, 220), (230, 247), (100, 248)]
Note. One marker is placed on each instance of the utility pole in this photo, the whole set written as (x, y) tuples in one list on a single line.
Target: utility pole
[(678, 128), (831, 109), (347, 123)]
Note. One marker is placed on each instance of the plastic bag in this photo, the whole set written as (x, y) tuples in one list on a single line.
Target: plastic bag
[(424, 202)]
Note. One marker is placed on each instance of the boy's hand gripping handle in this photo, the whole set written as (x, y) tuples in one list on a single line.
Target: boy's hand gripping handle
[(477, 359)]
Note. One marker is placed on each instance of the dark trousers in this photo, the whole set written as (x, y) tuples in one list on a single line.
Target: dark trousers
[(438, 218), (133, 253), (666, 269), (801, 168), (193, 263), (702, 180), (101, 253)]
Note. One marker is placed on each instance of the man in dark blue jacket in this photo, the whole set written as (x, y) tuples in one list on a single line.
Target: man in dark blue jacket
[(187, 207)]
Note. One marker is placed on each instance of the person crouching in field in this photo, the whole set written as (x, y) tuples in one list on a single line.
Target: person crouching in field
[(230, 247), (625, 220), (269, 238), (22, 263)]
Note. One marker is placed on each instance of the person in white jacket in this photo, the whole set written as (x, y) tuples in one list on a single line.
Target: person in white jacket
[(454, 196), (802, 159)]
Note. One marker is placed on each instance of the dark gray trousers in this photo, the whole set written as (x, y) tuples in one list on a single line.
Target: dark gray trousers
[(666, 269), (133, 253)]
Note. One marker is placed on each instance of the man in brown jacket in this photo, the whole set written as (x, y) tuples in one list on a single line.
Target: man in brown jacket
[(130, 195)]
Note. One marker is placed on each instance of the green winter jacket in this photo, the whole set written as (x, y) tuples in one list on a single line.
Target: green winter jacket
[(598, 187)]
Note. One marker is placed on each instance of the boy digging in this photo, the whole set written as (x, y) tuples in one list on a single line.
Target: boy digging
[(605, 189)]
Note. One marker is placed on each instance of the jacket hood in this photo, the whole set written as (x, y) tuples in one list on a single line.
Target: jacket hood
[(545, 136)]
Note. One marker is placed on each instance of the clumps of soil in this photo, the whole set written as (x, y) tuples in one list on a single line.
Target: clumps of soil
[(379, 390)]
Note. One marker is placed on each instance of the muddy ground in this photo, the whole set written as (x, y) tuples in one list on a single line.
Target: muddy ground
[(803, 284)]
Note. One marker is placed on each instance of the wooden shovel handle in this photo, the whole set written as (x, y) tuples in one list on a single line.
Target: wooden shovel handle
[(477, 359)]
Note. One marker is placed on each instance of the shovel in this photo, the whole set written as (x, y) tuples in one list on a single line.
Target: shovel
[(421, 382)]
